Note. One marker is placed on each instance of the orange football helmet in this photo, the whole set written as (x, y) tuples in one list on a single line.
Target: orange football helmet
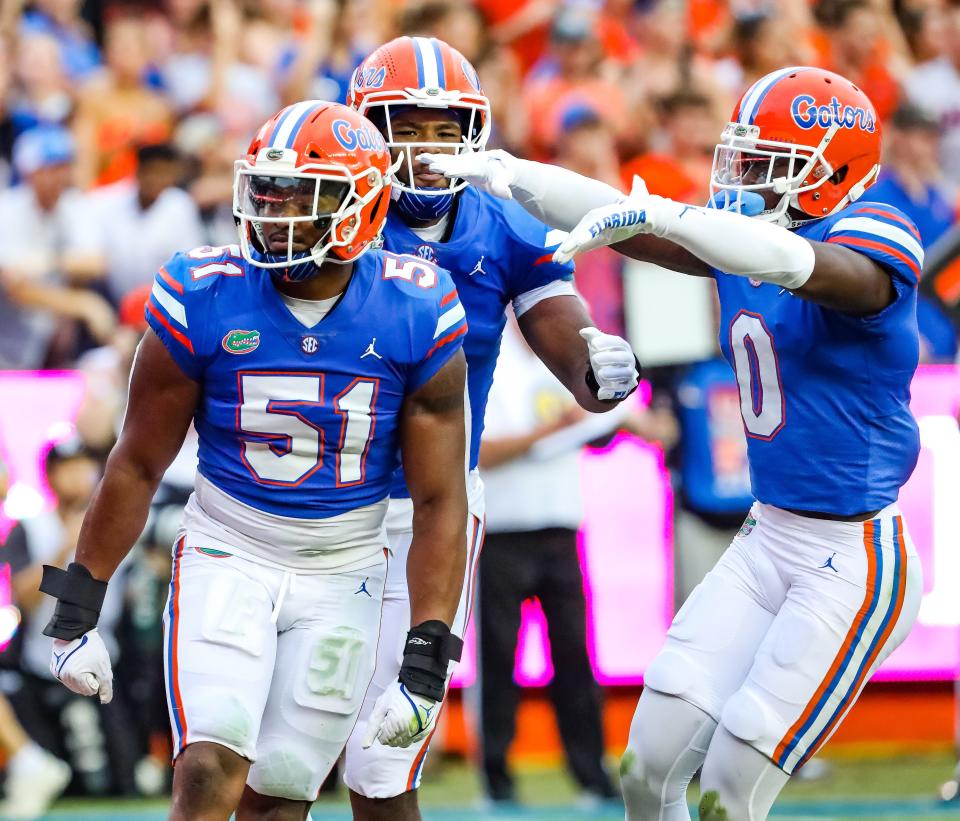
[(426, 73), (804, 133), (312, 162)]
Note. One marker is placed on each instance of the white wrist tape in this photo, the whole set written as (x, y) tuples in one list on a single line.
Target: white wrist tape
[(735, 244), (557, 196)]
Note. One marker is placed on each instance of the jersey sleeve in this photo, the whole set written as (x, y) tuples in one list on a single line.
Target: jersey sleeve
[(533, 273), (887, 236), (175, 313), (441, 333)]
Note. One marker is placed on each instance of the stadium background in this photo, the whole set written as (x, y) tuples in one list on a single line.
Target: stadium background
[(606, 88)]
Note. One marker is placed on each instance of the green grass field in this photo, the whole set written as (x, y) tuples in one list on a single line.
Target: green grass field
[(900, 788)]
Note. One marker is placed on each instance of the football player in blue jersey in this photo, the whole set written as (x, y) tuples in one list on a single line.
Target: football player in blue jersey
[(425, 96), (310, 363), (818, 290)]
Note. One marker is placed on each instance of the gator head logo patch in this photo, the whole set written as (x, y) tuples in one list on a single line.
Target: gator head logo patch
[(241, 341), (748, 525)]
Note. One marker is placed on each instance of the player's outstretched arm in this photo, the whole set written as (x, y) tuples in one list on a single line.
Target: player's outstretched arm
[(433, 442), (599, 369), (559, 197), (161, 404), (827, 273)]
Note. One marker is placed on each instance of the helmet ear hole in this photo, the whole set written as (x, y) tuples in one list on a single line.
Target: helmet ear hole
[(839, 175)]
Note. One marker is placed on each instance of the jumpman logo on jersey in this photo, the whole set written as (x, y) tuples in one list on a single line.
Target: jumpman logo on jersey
[(478, 268), (829, 563), (370, 351), (58, 656), (363, 588)]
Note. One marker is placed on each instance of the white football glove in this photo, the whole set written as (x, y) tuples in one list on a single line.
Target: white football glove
[(83, 665), (635, 214), (613, 364), (490, 171), (400, 718)]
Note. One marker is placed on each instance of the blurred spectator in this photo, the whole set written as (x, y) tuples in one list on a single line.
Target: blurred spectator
[(586, 145), (62, 21), (318, 65), (116, 112), (6, 123), (499, 73), (762, 42), (935, 86), (924, 30), (521, 25), (41, 94), (571, 72), (910, 174), (206, 69), (94, 738), (48, 251), (211, 179), (533, 514), (34, 777), (143, 221), (856, 49), (714, 493), (938, 335), (679, 168), (668, 62), (462, 25)]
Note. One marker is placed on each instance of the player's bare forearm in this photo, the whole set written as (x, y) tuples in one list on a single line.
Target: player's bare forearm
[(552, 330), (847, 281), (161, 405), (662, 252), (433, 442)]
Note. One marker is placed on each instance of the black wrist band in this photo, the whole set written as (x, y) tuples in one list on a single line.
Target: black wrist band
[(427, 655), (79, 599), (591, 379)]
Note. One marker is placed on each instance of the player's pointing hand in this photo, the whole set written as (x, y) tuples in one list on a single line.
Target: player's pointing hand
[(490, 171)]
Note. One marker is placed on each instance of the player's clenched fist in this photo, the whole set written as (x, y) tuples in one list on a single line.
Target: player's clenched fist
[(614, 372), (408, 708), (400, 718), (80, 659), (83, 665)]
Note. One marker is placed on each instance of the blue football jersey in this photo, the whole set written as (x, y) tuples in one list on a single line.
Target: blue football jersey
[(825, 395), (495, 253), (295, 421)]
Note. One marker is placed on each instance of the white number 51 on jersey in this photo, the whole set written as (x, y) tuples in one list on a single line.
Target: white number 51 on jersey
[(286, 448)]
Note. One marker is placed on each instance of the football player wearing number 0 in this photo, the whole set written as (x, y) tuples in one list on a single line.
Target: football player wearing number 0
[(817, 292), (308, 361), (424, 95)]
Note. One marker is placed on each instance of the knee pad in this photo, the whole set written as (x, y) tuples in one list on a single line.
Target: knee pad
[(745, 717), (672, 673), (223, 718), (282, 773)]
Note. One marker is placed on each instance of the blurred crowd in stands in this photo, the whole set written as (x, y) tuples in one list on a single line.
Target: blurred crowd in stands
[(120, 122)]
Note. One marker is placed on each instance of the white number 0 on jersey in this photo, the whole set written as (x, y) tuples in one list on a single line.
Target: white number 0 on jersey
[(290, 448), (758, 376)]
